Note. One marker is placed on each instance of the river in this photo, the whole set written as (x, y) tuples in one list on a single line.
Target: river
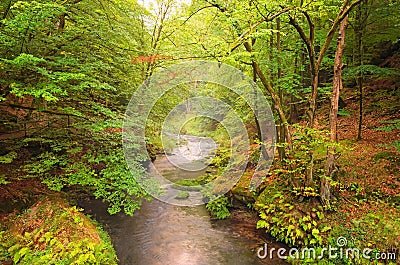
[(166, 234)]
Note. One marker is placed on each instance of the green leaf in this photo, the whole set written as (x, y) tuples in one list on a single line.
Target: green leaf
[(315, 232), (8, 158)]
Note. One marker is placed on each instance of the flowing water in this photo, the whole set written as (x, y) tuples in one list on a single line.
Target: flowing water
[(166, 234)]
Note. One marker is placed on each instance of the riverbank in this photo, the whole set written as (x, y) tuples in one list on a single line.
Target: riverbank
[(41, 227), (160, 233), (364, 209), (32, 216)]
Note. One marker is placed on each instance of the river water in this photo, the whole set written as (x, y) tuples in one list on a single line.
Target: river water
[(165, 234)]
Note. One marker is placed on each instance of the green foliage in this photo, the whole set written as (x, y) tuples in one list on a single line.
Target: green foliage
[(302, 223), (68, 66), (72, 66), (374, 20), (3, 180), (218, 207), (83, 252), (286, 223), (370, 70), (102, 171), (391, 156), (310, 147), (374, 231), (396, 144), (8, 158), (53, 233), (344, 113), (221, 158), (187, 185), (182, 195), (393, 125)]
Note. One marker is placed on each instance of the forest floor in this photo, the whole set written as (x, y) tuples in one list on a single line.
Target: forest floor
[(368, 208)]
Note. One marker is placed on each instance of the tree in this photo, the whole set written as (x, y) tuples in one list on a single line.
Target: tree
[(376, 18), (314, 57), (243, 40), (359, 28), (64, 75), (337, 87), (307, 21)]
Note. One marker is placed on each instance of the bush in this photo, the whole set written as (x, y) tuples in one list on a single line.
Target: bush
[(219, 207), (288, 224)]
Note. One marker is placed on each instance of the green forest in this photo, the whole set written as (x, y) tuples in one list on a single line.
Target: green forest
[(328, 69)]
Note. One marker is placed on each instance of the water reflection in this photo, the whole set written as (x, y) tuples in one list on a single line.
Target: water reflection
[(165, 234), (162, 234)]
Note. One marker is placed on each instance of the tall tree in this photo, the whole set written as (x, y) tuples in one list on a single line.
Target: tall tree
[(314, 57), (325, 192), (243, 39)]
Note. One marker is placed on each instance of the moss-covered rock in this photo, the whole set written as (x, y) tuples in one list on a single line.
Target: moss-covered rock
[(182, 195), (53, 232), (241, 191)]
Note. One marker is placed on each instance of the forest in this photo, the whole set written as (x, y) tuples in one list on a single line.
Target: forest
[(294, 105)]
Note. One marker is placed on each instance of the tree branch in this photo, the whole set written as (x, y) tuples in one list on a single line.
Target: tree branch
[(214, 4), (44, 111), (274, 95), (306, 40), (242, 38), (311, 26), (194, 13), (345, 10), (8, 8)]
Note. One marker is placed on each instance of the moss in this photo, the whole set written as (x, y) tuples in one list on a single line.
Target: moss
[(387, 156), (194, 184), (182, 195), (53, 232), (242, 192), (187, 185)]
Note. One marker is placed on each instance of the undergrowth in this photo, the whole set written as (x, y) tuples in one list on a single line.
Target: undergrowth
[(51, 232)]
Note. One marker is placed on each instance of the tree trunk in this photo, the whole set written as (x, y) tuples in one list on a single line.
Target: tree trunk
[(61, 23), (282, 133), (316, 61), (8, 8), (271, 57), (360, 115), (275, 97), (294, 114), (313, 103), (315, 64), (262, 147), (325, 192), (361, 20)]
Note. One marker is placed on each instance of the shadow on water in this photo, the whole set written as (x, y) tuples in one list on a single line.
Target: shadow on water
[(165, 234)]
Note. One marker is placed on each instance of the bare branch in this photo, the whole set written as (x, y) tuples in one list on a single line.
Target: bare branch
[(310, 25), (194, 13), (214, 4), (41, 110), (243, 37), (308, 42)]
